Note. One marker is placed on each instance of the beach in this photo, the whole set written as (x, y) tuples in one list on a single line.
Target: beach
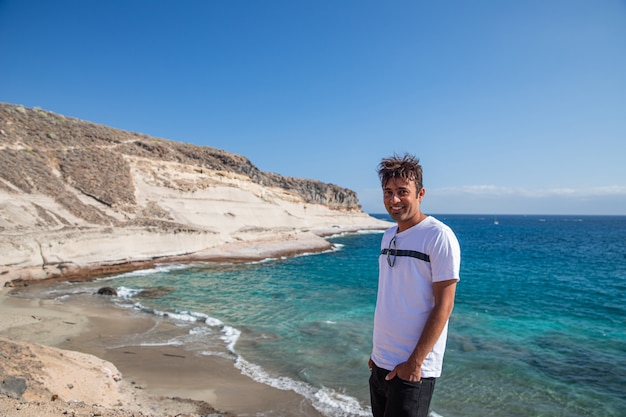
[(41, 341)]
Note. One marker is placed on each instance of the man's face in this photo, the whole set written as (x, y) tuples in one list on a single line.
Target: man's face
[(402, 202)]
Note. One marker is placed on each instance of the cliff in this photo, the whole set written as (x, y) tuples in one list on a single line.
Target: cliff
[(79, 198)]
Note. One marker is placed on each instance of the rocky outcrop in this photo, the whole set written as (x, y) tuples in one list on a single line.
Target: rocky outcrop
[(77, 195), (44, 148)]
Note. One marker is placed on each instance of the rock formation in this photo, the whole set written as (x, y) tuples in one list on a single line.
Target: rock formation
[(81, 198)]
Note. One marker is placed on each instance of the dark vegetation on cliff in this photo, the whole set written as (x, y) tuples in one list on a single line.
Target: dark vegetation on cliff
[(43, 152)]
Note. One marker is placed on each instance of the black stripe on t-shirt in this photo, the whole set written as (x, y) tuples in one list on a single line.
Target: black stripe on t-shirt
[(409, 253)]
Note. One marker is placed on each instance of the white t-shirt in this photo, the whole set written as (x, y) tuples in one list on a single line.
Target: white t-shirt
[(427, 252)]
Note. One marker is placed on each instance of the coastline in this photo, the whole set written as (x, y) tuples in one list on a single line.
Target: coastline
[(155, 380), (86, 256), (94, 202), (169, 379)]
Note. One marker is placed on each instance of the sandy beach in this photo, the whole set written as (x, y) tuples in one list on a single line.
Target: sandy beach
[(55, 358), (53, 362)]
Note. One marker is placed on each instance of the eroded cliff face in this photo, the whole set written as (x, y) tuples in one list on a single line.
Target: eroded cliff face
[(77, 193), (45, 152)]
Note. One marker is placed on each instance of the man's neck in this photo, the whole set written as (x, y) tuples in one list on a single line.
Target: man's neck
[(402, 226)]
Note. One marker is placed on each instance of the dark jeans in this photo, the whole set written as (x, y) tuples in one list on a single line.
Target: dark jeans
[(399, 398)]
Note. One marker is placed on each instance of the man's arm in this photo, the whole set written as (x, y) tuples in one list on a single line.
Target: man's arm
[(444, 292)]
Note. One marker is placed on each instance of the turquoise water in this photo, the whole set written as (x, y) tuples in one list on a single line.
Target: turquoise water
[(539, 326)]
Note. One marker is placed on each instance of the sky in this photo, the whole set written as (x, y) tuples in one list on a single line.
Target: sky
[(513, 107)]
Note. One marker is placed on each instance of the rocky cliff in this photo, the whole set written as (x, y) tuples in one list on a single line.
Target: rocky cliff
[(77, 196)]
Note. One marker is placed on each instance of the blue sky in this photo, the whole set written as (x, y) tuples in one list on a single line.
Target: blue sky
[(512, 106)]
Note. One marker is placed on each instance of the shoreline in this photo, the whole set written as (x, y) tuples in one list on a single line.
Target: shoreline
[(256, 246), (165, 375)]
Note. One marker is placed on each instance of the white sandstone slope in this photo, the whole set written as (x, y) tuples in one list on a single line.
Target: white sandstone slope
[(80, 199)]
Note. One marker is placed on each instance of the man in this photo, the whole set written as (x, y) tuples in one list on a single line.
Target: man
[(419, 267)]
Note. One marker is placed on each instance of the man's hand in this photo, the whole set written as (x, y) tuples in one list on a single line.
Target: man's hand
[(406, 371)]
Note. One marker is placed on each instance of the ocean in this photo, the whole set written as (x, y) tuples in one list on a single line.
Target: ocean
[(538, 328)]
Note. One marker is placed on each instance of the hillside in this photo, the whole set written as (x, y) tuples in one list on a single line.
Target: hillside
[(80, 199)]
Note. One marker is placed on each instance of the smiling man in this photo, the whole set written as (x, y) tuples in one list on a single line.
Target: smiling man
[(419, 267)]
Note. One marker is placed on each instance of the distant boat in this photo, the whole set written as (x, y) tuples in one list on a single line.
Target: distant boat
[(495, 220)]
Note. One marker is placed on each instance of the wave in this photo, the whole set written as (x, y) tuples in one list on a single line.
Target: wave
[(357, 232), (163, 268), (325, 400)]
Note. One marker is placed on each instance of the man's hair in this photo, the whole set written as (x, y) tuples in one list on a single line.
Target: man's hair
[(406, 167)]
